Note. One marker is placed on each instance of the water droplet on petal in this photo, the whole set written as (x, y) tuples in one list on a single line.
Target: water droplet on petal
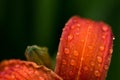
[(103, 36), (101, 48), (64, 61), (106, 67), (91, 69), (61, 39), (41, 78), (70, 37), (75, 53), (66, 24), (72, 27), (99, 59), (66, 51), (109, 58), (113, 38), (97, 73), (72, 63), (111, 50), (81, 58), (104, 28), (75, 20), (77, 33), (85, 68), (92, 63), (78, 24), (63, 29), (99, 65)]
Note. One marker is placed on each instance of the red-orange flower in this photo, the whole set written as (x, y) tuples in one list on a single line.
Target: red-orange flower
[(25, 70), (85, 50), (84, 53)]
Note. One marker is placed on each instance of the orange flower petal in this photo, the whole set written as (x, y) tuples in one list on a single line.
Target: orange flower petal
[(24, 70), (84, 50)]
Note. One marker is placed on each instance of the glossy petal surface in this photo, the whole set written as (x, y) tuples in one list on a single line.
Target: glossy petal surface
[(85, 50), (24, 70)]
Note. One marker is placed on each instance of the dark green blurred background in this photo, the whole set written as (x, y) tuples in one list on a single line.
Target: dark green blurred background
[(40, 22)]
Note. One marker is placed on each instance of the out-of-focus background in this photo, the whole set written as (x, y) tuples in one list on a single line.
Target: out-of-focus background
[(29, 22)]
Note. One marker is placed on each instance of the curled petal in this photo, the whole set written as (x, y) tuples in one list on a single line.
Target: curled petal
[(24, 70)]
